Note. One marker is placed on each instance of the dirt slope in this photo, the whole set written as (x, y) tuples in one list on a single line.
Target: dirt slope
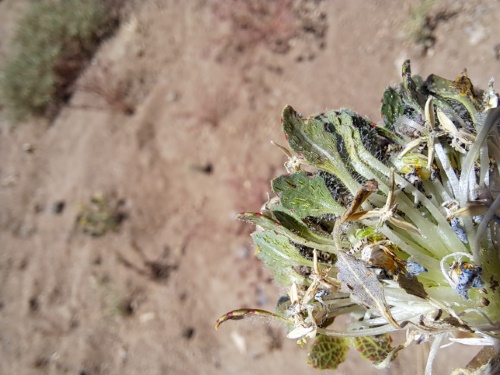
[(207, 97)]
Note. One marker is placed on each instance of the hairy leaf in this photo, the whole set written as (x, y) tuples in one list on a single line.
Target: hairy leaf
[(392, 107), (267, 223), (310, 138), (363, 142), (305, 196), (298, 226), (461, 90), (280, 256), (410, 94), (304, 228)]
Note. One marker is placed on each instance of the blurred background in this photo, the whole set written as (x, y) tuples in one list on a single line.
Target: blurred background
[(119, 184)]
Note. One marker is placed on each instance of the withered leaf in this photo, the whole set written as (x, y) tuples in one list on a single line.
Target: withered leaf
[(449, 323), (411, 285), (487, 357), (377, 349), (245, 313), (366, 190), (363, 284), (328, 352)]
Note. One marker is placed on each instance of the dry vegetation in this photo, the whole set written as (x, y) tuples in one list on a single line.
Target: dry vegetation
[(54, 42)]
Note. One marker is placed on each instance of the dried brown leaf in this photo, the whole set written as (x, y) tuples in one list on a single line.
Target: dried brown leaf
[(363, 284)]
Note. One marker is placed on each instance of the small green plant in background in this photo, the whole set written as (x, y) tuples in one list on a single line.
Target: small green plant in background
[(395, 225), (100, 216), (54, 41), (422, 24)]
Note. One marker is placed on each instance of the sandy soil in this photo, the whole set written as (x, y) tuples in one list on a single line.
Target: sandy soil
[(207, 97)]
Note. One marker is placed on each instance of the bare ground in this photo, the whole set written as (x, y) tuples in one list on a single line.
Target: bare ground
[(207, 98)]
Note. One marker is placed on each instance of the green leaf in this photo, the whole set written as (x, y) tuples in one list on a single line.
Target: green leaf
[(328, 352), (267, 223), (460, 90), (410, 94), (392, 107), (361, 143), (490, 261), (305, 196), (279, 255), (310, 138), (300, 228)]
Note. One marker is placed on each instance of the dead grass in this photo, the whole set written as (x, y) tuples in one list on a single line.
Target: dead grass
[(252, 23), (103, 83), (54, 42)]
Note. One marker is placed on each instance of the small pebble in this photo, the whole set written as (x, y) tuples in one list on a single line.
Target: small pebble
[(58, 207)]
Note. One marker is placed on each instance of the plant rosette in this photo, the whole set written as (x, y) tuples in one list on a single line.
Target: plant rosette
[(394, 224)]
